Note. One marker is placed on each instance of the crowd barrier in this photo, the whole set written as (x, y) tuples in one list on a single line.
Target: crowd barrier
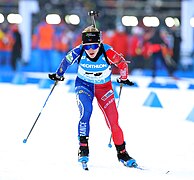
[(152, 100)]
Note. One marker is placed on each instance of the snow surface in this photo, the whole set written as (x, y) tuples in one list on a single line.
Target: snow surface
[(161, 139)]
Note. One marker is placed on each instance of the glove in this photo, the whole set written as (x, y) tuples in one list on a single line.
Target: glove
[(55, 77), (127, 82)]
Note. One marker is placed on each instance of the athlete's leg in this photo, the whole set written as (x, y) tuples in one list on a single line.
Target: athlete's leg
[(84, 97), (105, 97), (106, 101)]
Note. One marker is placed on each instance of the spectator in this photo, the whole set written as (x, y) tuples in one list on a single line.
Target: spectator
[(159, 50), (64, 39), (120, 42), (107, 36), (176, 44), (16, 52), (6, 43), (43, 40), (136, 48)]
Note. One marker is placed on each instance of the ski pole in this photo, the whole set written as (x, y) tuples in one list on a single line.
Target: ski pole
[(25, 140), (120, 90)]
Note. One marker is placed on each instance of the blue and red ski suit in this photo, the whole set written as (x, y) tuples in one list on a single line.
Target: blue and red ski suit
[(94, 80)]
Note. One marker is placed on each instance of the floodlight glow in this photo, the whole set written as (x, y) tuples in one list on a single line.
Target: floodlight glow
[(176, 22), (74, 19), (169, 22), (53, 19), (129, 21), (2, 18), (67, 19), (14, 18), (151, 21)]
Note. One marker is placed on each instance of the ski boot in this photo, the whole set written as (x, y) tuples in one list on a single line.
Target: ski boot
[(83, 151), (124, 157)]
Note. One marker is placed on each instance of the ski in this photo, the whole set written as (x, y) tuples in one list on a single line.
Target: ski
[(134, 165), (84, 165), (140, 168), (162, 171)]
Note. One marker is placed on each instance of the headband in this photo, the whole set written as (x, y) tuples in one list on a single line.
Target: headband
[(90, 37)]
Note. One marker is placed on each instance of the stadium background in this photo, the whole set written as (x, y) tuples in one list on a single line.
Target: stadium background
[(111, 12)]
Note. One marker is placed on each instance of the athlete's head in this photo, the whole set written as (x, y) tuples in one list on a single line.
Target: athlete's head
[(91, 40)]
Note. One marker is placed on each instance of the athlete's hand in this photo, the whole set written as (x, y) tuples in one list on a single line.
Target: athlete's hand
[(55, 77), (127, 82)]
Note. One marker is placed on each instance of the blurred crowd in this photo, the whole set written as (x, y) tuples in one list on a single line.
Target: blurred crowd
[(151, 48), (10, 46)]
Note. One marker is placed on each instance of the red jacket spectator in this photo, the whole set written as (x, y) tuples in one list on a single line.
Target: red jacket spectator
[(120, 41)]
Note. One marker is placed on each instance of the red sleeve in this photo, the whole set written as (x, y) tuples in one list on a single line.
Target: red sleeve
[(118, 61)]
